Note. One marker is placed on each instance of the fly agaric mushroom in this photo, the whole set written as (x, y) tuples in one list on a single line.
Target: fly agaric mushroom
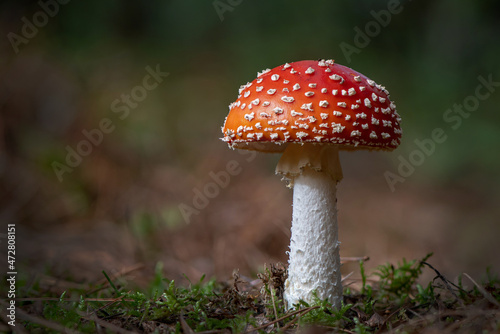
[(309, 110)]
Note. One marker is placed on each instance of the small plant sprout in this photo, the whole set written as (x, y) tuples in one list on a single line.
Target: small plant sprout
[(309, 110)]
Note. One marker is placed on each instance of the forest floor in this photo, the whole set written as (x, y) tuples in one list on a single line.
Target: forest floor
[(389, 300)]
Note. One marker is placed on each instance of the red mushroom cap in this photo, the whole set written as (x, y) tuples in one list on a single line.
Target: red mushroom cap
[(312, 101)]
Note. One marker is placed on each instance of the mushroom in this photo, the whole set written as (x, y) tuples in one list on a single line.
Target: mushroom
[(309, 110)]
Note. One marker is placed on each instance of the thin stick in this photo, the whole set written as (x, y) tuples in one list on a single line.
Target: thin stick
[(40, 321), (104, 281), (485, 293), (304, 311), (446, 282), (55, 299), (18, 328), (105, 324), (297, 319), (347, 276), (274, 308), (107, 305)]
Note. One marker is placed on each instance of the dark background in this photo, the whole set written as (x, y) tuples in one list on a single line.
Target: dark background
[(119, 206)]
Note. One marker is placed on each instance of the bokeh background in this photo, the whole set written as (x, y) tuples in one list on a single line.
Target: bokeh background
[(119, 207)]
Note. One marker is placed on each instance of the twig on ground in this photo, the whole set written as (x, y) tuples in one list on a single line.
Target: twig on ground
[(304, 311), (40, 321), (446, 283), (274, 306), (184, 325), (58, 299), (347, 276), (485, 293), (105, 324), (108, 304), (103, 282), (18, 328)]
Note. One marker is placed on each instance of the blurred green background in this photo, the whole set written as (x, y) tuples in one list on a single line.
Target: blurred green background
[(120, 205)]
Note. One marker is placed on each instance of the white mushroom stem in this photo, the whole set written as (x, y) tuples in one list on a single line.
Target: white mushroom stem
[(314, 263)]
